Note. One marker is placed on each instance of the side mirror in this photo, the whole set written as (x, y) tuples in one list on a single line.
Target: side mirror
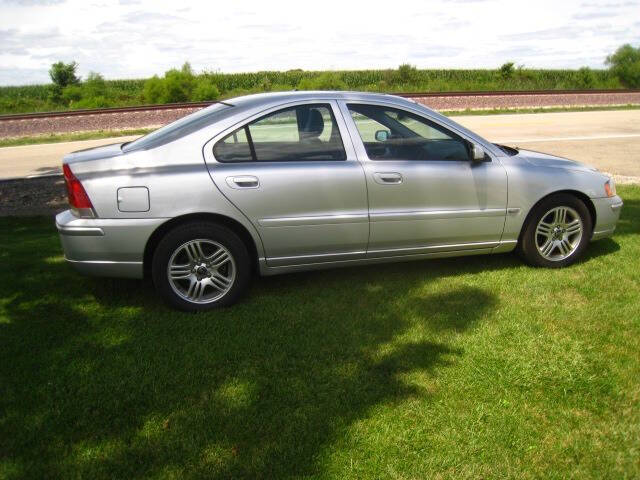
[(382, 135), (477, 152)]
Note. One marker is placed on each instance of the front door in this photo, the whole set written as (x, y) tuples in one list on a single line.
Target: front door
[(425, 193), (300, 184)]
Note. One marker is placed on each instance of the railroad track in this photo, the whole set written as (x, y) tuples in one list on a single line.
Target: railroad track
[(422, 95)]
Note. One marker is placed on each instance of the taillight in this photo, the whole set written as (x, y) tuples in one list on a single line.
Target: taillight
[(78, 198)]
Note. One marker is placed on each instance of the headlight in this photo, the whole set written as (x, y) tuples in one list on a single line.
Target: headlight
[(610, 187)]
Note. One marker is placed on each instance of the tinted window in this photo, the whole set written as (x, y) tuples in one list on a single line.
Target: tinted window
[(234, 147), (393, 134), (301, 133)]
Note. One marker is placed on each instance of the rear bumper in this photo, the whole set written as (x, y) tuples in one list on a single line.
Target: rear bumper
[(105, 247), (607, 215), (108, 269)]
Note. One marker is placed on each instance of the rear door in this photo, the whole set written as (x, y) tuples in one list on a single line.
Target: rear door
[(294, 174), (425, 193)]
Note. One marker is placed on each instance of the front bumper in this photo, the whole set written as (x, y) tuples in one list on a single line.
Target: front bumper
[(105, 247), (607, 215)]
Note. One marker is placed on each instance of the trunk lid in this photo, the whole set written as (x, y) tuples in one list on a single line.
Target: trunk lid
[(95, 153)]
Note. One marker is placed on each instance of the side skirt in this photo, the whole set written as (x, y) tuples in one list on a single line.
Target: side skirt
[(266, 270)]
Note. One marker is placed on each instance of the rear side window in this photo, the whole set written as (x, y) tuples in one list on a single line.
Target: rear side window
[(234, 147), (301, 133), (393, 134)]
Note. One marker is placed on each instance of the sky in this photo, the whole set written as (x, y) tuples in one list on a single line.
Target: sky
[(140, 38)]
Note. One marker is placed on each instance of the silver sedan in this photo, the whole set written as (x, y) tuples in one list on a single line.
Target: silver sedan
[(293, 181)]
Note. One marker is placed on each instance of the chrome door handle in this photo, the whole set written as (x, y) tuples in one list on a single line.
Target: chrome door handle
[(243, 181), (387, 178)]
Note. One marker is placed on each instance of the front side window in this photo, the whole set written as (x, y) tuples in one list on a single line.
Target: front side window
[(300, 133), (393, 134)]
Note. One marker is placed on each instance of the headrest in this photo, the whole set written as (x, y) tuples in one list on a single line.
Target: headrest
[(310, 122)]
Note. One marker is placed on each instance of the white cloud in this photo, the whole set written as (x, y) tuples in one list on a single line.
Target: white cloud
[(138, 38)]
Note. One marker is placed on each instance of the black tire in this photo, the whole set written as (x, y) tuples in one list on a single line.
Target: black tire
[(207, 231), (527, 247)]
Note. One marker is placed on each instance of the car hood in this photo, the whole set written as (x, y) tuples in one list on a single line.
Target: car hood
[(96, 153), (545, 160)]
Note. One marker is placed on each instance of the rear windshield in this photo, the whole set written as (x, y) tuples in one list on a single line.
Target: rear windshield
[(178, 129)]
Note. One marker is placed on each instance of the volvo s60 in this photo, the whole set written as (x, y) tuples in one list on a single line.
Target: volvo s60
[(291, 181)]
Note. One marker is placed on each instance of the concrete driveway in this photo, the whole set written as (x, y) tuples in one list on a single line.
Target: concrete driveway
[(46, 158)]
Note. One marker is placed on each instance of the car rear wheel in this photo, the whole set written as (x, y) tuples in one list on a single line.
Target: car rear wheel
[(557, 232), (200, 266)]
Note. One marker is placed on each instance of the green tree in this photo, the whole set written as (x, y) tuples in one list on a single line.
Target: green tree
[(63, 74), (71, 94), (54, 94), (176, 86), (407, 73), (506, 70), (205, 90), (625, 64), (94, 86), (153, 90), (585, 78), (179, 84)]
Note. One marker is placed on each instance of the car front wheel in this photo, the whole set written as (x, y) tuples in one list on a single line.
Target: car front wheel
[(200, 266), (557, 233)]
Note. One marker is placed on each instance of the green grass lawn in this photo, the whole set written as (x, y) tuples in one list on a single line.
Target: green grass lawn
[(477, 367)]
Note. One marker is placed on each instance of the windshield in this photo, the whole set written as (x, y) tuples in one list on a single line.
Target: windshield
[(179, 128)]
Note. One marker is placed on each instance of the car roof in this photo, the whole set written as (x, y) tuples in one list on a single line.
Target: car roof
[(255, 100)]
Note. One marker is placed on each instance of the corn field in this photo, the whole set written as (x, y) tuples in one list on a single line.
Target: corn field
[(31, 98)]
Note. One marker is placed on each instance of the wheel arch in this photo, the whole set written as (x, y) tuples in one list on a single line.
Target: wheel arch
[(223, 220), (576, 193)]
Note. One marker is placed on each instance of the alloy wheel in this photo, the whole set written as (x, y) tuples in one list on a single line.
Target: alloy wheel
[(558, 233), (201, 271)]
